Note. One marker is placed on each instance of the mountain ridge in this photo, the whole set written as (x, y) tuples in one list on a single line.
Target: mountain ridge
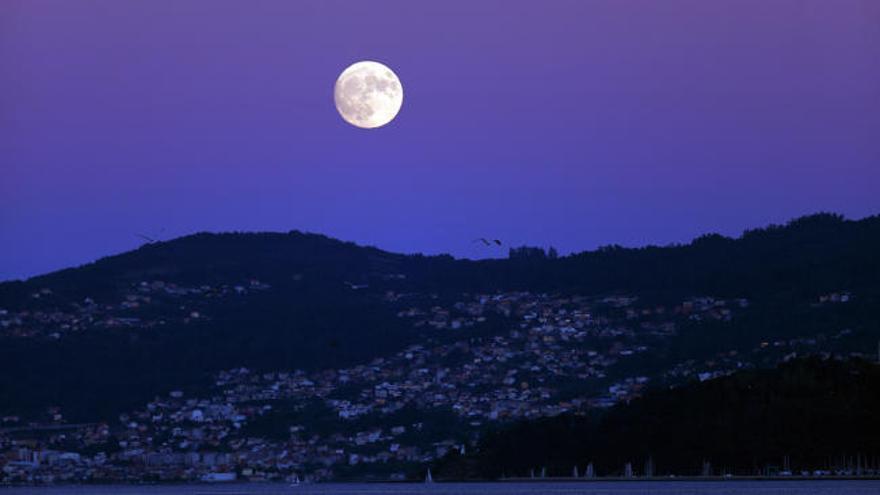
[(171, 313), (810, 234)]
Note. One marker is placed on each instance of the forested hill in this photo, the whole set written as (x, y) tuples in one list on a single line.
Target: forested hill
[(819, 414), (170, 314), (206, 258), (807, 255)]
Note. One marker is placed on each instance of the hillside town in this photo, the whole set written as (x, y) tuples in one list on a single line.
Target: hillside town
[(385, 418)]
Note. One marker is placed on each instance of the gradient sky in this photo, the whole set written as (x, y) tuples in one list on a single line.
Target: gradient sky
[(566, 123)]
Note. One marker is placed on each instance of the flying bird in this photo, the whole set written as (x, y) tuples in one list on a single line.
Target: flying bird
[(149, 240), (152, 238), (487, 242)]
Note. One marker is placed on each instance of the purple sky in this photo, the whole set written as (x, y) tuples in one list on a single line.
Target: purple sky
[(572, 123)]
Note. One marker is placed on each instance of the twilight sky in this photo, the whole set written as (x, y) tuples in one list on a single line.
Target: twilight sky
[(572, 123)]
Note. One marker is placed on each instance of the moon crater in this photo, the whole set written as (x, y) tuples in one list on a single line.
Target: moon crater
[(368, 94)]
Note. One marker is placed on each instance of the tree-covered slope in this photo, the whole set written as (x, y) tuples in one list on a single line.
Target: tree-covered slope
[(819, 414), (169, 314)]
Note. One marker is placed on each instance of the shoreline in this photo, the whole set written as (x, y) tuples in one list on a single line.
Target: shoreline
[(616, 479), (549, 479)]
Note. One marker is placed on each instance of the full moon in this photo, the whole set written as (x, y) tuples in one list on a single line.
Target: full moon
[(368, 94)]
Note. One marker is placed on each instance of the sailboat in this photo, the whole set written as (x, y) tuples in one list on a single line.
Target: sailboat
[(428, 477), (295, 480)]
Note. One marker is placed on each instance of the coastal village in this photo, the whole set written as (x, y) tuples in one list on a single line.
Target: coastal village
[(385, 418)]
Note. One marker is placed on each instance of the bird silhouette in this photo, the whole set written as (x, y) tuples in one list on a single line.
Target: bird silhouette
[(149, 240), (487, 242), (152, 238)]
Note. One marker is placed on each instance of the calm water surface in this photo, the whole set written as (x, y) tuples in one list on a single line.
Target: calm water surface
[(596, 488)]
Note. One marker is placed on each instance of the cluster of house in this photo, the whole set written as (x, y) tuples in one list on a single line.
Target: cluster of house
[(61, 317), (557, 354)]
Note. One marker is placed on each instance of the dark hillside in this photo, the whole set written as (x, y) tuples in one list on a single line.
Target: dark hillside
[(820, 414), (169, 314)]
